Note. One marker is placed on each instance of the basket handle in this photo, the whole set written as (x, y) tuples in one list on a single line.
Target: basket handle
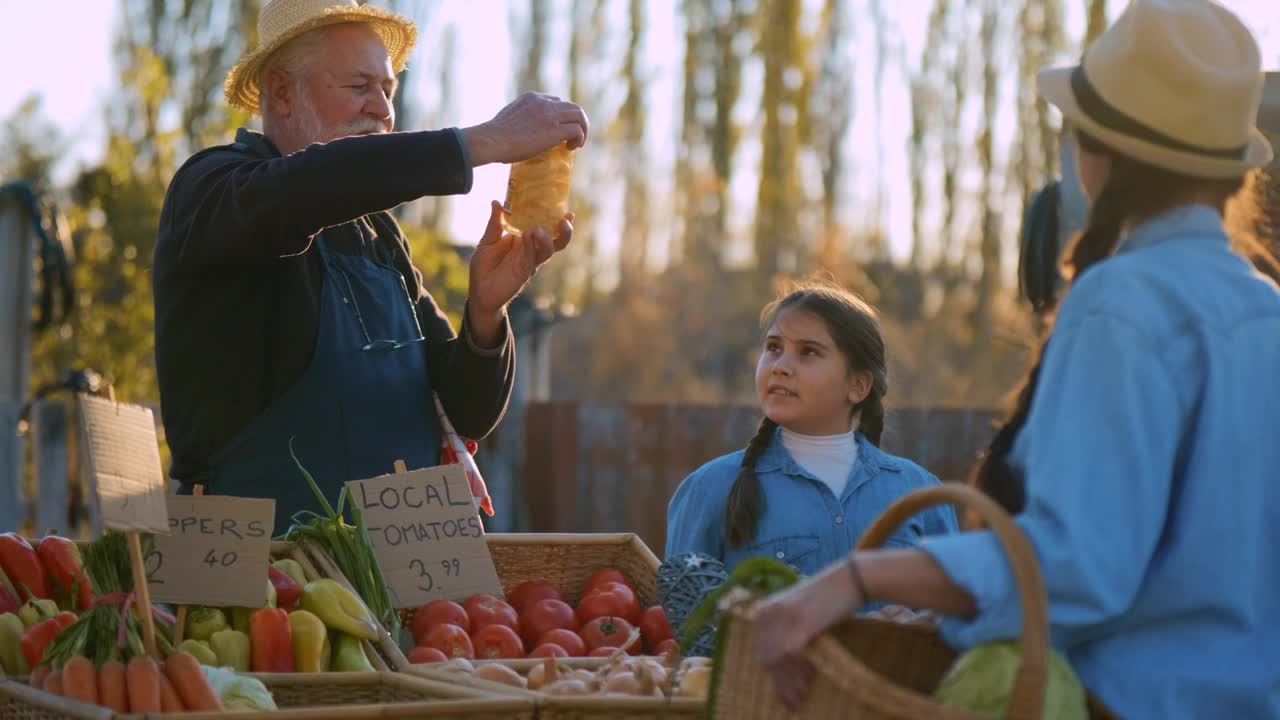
[(1028, 686)]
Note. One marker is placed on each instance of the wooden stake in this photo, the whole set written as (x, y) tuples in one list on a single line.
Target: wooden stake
[(143, 594), (401, 468)]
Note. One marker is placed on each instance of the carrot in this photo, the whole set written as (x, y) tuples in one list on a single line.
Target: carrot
[(53, 683), (142, 678), (38, 677), (111, 686), (169, 700), (79, 680), (183, 670)]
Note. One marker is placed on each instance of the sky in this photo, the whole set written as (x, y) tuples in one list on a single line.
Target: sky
[(76, 79)]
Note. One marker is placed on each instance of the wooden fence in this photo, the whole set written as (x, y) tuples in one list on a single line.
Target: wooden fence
[(603, 468)]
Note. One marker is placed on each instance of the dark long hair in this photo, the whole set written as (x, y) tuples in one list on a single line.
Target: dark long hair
[(1133, 191), (855, 328)]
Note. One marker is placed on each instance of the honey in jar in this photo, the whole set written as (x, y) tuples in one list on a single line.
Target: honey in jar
[(538, 192)]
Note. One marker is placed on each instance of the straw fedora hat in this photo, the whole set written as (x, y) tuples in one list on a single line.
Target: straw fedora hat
[(283, 20), (1173, 83)]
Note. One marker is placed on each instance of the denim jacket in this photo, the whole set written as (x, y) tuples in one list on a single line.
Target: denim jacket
[(804, 524), (1152, 465)]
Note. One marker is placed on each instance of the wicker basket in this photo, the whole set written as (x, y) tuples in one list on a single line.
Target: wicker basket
[(880, 670), (566, 560), (321, 696), (550, 707)]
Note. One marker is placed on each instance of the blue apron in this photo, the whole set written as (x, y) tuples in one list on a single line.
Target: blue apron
[(363, 402)]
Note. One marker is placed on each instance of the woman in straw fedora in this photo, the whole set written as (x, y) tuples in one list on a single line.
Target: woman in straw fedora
[(288, 309), (1141, 433)]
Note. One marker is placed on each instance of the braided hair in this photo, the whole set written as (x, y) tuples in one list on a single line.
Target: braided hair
[(855, 328)]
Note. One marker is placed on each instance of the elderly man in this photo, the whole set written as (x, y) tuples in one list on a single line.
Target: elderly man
[(287, 307)]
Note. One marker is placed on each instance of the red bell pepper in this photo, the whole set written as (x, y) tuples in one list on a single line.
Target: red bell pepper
[(271, 641), (23, 567), (61, 559), (287, 590), (37, 637)]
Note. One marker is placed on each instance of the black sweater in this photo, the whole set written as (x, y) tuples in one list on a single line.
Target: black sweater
[(237, 282)]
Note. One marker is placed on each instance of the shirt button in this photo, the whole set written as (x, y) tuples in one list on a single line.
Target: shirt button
[(781, 554), (839, 519)]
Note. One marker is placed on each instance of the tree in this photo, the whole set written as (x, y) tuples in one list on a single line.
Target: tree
[(778, 196), (633, 250), (832, 116)]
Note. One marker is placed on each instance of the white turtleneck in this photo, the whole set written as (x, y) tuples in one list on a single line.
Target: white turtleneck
[(830, 458)]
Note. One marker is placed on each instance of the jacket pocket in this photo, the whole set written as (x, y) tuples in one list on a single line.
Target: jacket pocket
[(798, 551)]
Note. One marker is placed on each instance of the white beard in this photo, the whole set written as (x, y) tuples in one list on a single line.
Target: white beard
[(307, 124)]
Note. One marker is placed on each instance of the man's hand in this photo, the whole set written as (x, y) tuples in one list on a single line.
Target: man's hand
[(501, 266), (528, 126)]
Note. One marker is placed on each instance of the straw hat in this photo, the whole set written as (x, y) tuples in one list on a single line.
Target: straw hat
[(283, 20), (1174, 83)]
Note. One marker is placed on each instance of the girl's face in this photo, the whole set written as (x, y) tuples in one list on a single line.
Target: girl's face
[(803, 379)]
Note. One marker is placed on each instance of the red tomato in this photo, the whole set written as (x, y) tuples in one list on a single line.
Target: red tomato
[(613, 599), (487, 610), (422, 654), (494, 642), (546, 615), (451, 640), (569, 640), (667, 646), (654, 626), (601, 577), (438, 612), (531, 591), (603, 651), (549, 650), (606, 632)]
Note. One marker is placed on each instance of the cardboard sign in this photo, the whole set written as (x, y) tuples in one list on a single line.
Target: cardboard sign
[(120, 456), (426, 535), (216, 552)]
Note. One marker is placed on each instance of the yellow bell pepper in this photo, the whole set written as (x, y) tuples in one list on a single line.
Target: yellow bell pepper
[(348, 654), (35, 610), (232, 649), (11, 656), (203, 622), (309, 635), (339, 608), (200, 650), (291, 568)]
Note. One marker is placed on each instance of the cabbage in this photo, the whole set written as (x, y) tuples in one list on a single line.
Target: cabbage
[(238, 692), (981, 682)]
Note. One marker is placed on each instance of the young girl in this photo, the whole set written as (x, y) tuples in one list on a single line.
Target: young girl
[(812, 479), (1145, 435)]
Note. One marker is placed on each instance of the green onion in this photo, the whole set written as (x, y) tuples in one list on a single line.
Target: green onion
[(349, 546)]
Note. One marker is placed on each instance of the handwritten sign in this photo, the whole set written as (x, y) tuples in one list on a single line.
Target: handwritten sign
[(216, 552), (121, 461), (426, 535)]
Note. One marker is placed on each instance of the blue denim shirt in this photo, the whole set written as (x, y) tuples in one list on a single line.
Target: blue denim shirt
[(1152, 461), (804, 524)]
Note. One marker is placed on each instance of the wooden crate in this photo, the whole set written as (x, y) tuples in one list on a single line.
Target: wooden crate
[(589, 707)]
